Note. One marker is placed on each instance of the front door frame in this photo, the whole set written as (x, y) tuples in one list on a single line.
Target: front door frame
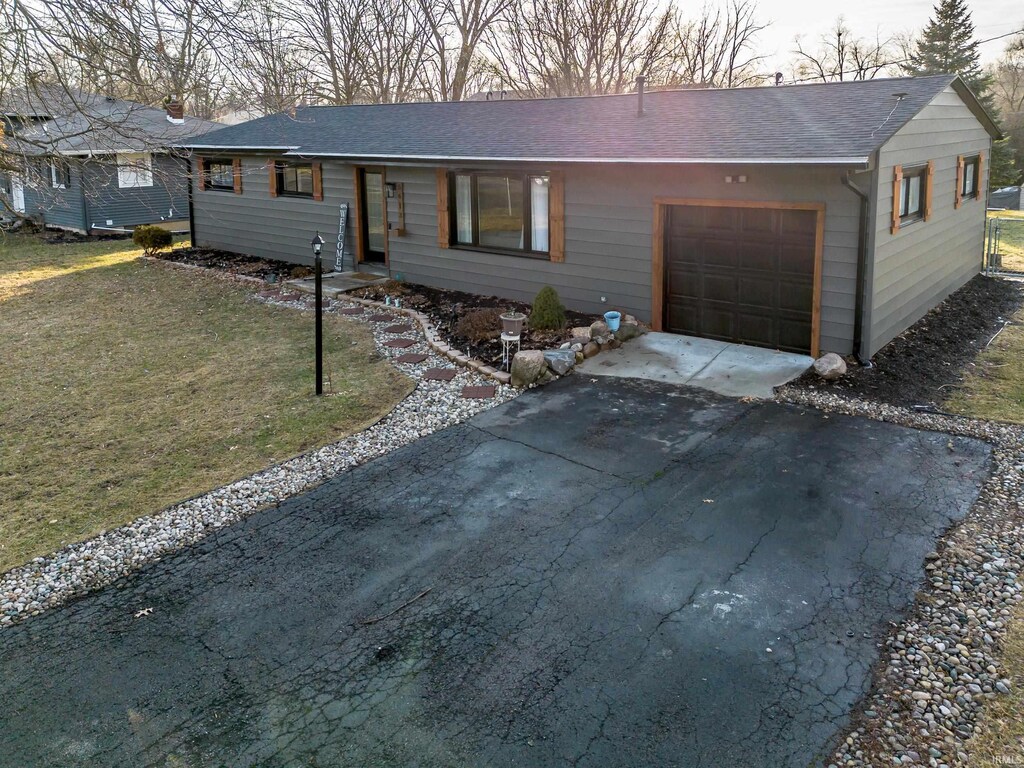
[(362, 248), (661, 205)]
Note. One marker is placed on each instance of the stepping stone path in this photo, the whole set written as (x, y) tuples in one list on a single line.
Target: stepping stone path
[(381, 318), (410, 357), (479, 392), (350, 311), (399, 343), (439, 374), (397, 329)]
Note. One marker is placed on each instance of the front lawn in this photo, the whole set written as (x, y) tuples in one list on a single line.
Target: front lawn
[(127, 386)]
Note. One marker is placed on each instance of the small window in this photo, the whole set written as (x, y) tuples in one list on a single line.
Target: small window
[(969, 184), (59, 174), (134, 169), (501, 211), (220, 174), (912, 194), (295, 179)]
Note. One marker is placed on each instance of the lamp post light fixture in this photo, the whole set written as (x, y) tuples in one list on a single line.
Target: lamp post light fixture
[(317, 245)]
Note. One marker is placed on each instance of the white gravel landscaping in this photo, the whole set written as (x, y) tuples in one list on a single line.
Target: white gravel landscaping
[(48, 581), (941, 663)]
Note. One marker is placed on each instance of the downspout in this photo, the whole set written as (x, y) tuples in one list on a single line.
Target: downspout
[(862, 239)]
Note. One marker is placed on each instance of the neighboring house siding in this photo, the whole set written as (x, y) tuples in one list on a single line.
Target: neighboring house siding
[(166, 200), (58, 207), (925, 261), (609, 212)]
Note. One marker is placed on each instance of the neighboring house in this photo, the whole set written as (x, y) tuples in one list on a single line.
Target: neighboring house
[(1008, 198), (89, 162), (825, 217)]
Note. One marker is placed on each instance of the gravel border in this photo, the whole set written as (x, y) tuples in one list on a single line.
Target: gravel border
[(940, 664), (49, 581)]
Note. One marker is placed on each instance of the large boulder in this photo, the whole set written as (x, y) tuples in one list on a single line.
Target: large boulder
[(561, 361), (830, 366), (599, 328), (628, 331), (527, 367)]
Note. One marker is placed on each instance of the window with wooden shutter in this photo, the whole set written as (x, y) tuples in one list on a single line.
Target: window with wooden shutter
[(201, 168), (272, 167), (958, 195), (236, 173), (929, 176), (444, 223)]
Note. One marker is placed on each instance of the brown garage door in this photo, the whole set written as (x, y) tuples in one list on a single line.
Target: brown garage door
[(741, 274)]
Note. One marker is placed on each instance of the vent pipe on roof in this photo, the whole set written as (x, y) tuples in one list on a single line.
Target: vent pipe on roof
[(640, 96)]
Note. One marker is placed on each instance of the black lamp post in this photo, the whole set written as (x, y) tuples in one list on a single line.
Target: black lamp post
[(318, 246)]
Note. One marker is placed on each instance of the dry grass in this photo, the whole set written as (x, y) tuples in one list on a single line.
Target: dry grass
[(1011, 241), (999, 738), (994, 387), (128, 386)]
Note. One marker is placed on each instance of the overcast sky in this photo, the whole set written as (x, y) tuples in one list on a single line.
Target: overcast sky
[(810, 18)]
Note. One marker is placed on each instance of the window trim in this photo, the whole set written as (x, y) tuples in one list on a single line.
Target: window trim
[(145, 167), (926, 171), (279, 169), (965, 163), (525, 176), (59, 173), (204, 169)]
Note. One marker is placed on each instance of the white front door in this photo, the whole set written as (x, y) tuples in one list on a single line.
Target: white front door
[(17, 194)]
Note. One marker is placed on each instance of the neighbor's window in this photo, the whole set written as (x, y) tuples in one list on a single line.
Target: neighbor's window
[(220, 174), (295, 179), (501, 211), (134, 169), (969, 186), (59, 173), (912, 193)]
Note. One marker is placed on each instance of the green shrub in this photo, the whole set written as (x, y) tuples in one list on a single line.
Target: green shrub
[(152, 239), (548, 313)]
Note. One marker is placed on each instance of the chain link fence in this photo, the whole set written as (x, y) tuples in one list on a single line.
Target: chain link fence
[(1004, 246)]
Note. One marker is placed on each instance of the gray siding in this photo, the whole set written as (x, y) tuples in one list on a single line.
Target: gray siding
[(58, 207), (609, 212), (914, 269), (166, 200), (274, 228)]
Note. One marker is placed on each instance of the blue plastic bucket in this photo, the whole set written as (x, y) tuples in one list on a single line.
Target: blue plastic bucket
[(612, 318)]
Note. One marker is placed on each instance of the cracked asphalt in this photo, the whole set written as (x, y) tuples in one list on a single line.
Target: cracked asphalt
[(620, 573)]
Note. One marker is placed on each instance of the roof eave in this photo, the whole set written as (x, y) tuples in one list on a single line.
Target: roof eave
[(976, 107)]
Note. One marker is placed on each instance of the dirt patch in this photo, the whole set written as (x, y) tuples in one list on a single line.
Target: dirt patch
[(64, 237), (238, 264), (926, 362), (447, 308)]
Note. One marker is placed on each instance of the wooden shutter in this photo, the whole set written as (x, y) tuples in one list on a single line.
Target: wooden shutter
[(272, 166), (201, 164), (444, 220), (897, 184), (958, 198), (236, 167), (318, 181), (929, 175), (556, 216), (978, 176)]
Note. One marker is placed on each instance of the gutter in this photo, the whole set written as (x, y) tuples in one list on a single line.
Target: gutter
[(862, 238)]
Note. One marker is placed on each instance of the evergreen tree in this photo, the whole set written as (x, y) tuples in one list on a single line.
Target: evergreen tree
[(947, 45)]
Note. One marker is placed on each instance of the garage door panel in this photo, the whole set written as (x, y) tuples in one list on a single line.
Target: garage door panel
[(741, 274)]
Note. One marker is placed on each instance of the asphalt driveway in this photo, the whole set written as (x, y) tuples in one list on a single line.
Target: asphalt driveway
[(619, 573)]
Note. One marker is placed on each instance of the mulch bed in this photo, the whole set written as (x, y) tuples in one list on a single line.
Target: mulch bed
[(237, 264), (445, 307), (924, 364)]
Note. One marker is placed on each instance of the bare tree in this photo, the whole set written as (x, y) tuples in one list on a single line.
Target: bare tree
[(842, 56), (717, 49)]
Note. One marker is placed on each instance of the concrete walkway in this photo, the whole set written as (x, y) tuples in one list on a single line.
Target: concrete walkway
[(733, 370)]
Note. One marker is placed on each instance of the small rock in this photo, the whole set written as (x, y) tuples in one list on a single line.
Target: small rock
[(561, 361), (591, 349), (598, 329), (628, 331)]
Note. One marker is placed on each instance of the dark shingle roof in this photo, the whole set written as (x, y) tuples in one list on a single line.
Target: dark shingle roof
[(836, 122), (76, 122)]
